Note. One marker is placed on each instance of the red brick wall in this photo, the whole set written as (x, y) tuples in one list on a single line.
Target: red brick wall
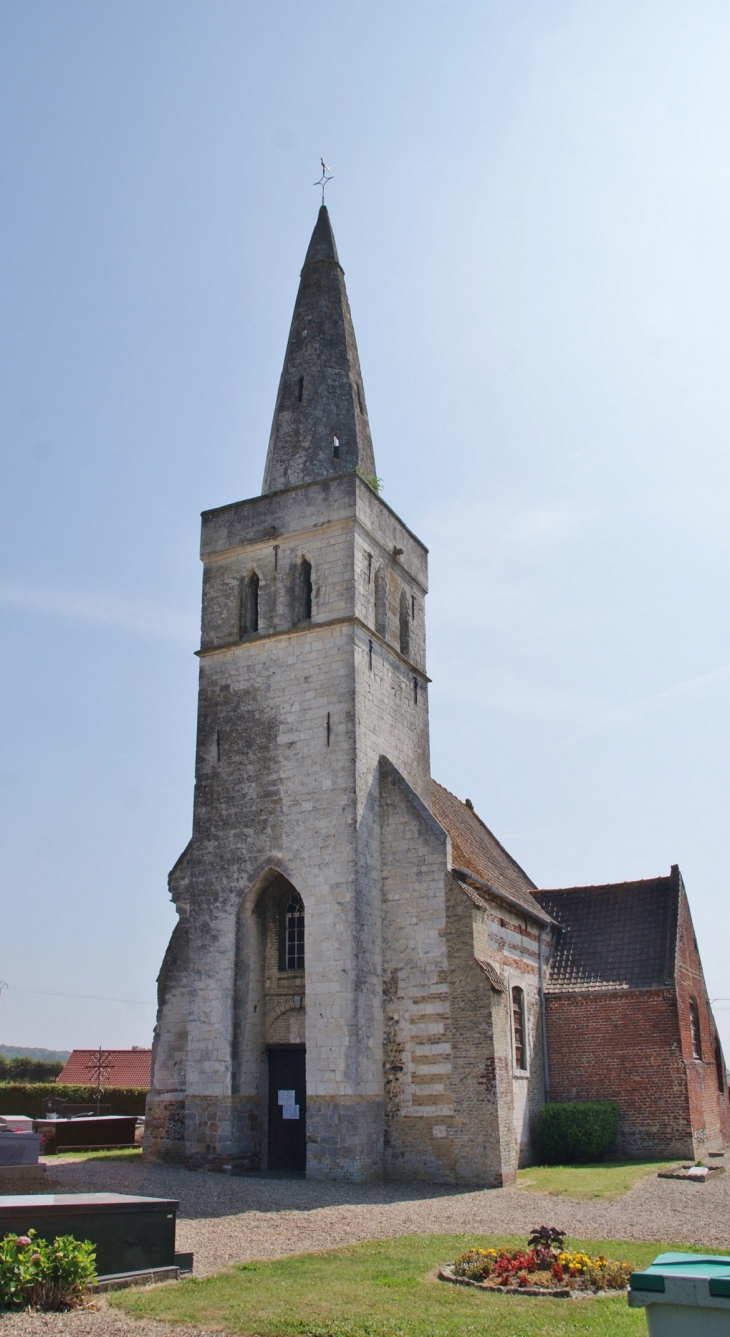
[(710, 1108), (624, 1046)]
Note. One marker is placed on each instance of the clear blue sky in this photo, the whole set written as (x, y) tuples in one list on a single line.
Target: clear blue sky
[(531, 203)]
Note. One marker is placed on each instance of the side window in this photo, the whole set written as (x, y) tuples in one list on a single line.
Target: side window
[(291, 933), (303, 594), (720, 1066), (405, 625), (518, 1028), (381, 602), (249, 609), (694, 1028)]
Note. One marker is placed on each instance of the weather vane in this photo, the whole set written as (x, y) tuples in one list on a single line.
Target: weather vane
[(325, 177)]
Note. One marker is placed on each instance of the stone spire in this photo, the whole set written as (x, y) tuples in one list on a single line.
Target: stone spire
[(320, 425)]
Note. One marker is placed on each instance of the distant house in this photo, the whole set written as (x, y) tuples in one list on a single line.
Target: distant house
[(121, 1067)]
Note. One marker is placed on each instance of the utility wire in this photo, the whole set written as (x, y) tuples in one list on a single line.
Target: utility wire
[(88, 997)]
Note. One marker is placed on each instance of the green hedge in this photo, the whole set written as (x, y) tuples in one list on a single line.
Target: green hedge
[(28, 1097), (577, 1131)]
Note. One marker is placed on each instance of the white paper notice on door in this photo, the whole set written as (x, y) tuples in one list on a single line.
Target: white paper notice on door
[(289, 1109)]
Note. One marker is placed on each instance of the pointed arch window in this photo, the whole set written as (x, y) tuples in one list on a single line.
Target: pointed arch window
[(291, 933), (518, 1028), (249, 614), (405, 625), (304, 591), (694, 1028), (720, 1066), (381, 603)]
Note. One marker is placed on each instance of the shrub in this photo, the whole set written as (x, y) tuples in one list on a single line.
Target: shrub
[(24, 1069), (27, 1097), (37, 1275), (576, 1131)]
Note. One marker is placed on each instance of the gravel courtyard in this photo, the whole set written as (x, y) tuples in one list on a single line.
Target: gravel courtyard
[(226, 1220)]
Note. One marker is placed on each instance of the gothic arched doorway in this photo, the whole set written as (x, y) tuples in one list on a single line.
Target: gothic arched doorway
[(285, 1027)]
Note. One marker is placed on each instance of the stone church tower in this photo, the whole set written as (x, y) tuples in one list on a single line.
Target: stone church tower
[(340, 992)]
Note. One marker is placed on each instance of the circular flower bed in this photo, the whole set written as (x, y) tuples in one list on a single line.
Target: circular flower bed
[(545, 1266)]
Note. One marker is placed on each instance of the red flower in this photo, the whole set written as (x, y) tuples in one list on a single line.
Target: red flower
[(22, 1242)]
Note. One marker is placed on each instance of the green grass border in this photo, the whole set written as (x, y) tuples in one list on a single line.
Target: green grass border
[(386, 1288)]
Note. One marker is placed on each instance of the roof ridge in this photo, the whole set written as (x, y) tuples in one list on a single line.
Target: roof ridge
[(605, 886)]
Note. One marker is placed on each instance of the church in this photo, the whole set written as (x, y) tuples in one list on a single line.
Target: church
[(362, 983)]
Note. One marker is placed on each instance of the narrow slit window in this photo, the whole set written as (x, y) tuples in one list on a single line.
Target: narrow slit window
[(253, 595), (291, 934), (359, 400), (370, 654), (336, 447), (300, 389), (518, 1028), (415, 691), (370, 566), (405, 626), (694, 1028), (381, 603), (249, 610), (720, 1066), (305, 591), (413, 608)]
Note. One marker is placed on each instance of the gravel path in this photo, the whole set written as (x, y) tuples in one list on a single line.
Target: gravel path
[(226, 1220)]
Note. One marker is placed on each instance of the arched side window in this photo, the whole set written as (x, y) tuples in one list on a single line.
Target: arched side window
[(303, 611), (694, 1028), (381, 603), (291, 933), (249, 614), (720, 1066), (405, 625), (518, 1028)]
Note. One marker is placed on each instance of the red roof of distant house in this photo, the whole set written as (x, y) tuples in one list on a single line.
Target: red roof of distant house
[(121, 1067)]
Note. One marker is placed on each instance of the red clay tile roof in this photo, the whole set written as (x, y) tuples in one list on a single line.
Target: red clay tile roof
[(475, 848), (125, 1067), (619, 936)]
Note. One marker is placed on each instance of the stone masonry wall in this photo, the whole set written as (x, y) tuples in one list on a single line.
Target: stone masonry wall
[(292, 720), (417, 1054), (512, 943)]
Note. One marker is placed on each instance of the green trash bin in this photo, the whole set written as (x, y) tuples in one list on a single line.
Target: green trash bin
[(685, 1295)]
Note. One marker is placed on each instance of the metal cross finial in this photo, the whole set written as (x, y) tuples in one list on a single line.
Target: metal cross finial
[(325, 177)]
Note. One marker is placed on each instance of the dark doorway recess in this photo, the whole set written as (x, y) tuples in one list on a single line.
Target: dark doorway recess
[(287, 1109)]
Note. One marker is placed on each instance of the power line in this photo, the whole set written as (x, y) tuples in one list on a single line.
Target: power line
[(87, 997)]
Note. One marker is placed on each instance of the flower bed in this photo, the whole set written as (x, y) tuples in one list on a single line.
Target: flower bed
[(544, 1267)]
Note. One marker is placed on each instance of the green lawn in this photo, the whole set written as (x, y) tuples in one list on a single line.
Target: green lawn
[(387, 1288), (608, 1179)]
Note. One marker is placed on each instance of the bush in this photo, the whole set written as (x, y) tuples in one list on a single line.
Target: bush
[(37, 1275), (28, 1069), (577, 1131), (27, 1097)]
